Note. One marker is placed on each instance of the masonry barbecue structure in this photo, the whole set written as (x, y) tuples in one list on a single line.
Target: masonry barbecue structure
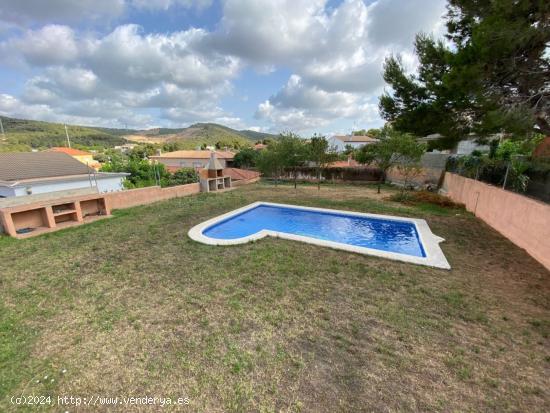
[(213, 179)]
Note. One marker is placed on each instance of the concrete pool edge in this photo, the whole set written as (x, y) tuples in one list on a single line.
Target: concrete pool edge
[(430, 241)]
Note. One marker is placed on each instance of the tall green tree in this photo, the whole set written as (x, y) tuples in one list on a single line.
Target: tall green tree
[(492, 78), (246, 158), (292, 153), (393, 148), (269, 163), (320, 153)]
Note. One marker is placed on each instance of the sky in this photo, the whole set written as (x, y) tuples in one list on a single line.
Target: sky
[(307, 66)]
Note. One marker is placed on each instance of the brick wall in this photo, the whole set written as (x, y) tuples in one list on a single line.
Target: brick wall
[(524, 221), (148, 195)]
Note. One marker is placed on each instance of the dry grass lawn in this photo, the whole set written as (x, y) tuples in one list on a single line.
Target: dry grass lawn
[(130, 306)]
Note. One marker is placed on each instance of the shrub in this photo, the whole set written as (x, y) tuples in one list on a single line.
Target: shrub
[(423, 197), (183, 176)]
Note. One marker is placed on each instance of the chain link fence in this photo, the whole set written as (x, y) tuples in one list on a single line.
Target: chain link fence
[(519, 174)]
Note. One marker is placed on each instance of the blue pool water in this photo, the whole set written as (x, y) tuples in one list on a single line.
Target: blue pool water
[(380, 234)]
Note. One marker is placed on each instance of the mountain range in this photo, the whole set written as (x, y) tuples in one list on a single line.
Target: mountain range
[(25, 135)]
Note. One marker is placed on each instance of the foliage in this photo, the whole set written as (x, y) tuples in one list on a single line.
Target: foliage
[(292, 152), (508, 160), (183, 176), (288, 152), (143, 173), (268, 161), (141, 152), (491, 80), (245, 158), (320, 154), (348, 150), (374, 132), (423, 197), (393, 148)]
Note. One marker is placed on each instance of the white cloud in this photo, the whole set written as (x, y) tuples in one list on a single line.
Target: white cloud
[(397, 22), (126, 68), (27, 11), (335, 55), (166, 4), (52, 44), (128, 59), (93, 112)]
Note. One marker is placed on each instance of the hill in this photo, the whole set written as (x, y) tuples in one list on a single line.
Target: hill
[(257, 136), (200, 134), (24, 135)]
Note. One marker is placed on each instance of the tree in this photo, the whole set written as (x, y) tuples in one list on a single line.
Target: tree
[(393, 148), (246, 158), (374, 132), (292, 153), (183, 176), (494, 77), (269, 162), (409, 155), (287, 152), (321, 155)]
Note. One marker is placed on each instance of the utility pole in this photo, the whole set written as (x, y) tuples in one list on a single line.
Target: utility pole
[(2, 130), (67, 135)]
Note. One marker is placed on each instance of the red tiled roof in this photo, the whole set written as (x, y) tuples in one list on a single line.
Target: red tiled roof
[(195, 155), (68, 151), (351, 163), (356, 138), (237, 174)]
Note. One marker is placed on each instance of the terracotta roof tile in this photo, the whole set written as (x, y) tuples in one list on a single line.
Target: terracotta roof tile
[(237, 174), (68, 151), (363, 138), (195, 155)]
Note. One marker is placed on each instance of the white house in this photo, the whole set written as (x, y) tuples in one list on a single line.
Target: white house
[(26, 173), (339, 143)]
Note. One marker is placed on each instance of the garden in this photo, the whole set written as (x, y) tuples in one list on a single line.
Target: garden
[(117, 308)]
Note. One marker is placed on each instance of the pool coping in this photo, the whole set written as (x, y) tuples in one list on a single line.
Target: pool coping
[(430, 241)]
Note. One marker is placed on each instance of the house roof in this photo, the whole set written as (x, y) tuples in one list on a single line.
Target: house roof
[(237, 174), (18, 166), (195, 155), (350, 163), (356, 139), (68, 151)]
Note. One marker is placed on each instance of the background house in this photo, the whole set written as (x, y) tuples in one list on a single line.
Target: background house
[(339, 143), (192, 159), (86, 158), (26, 173)]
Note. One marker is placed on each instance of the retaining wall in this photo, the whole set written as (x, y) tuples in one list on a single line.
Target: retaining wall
[(524, 221), (148, 195)]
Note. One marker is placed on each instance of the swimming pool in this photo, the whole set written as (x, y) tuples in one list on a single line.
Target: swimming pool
[(405, 239)]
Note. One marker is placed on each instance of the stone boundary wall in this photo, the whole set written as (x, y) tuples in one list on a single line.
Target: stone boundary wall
[(524, 221)]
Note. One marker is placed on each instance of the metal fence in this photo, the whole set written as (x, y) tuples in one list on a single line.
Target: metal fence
[(521, 175)]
